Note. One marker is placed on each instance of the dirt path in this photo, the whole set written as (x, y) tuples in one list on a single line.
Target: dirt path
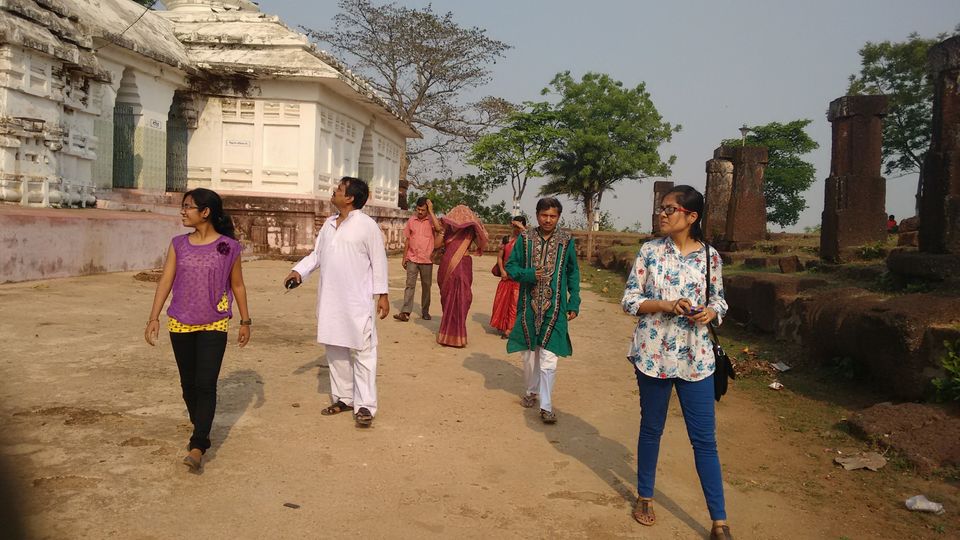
[(94, 428)]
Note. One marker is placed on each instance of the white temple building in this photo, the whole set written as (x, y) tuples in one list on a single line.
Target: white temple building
[(107, 103)]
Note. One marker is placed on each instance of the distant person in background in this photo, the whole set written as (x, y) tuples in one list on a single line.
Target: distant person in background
[(203, 271), (544, 262), (419, 237), (504, 312), (461, 228), (892, 227)]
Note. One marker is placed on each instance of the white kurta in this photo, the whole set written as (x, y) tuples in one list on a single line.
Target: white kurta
[(353, 268)]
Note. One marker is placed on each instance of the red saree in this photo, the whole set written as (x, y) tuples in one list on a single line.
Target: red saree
[(455, 275), (504, 312)]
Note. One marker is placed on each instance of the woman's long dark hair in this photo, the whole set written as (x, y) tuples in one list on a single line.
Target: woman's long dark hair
[(205, 198), (692, 200)]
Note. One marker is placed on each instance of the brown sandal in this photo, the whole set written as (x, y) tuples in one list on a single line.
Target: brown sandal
[(363, 418), (336, 408), (643, 512), (723, 534), (528, 400), (192, 463), (402, 317)]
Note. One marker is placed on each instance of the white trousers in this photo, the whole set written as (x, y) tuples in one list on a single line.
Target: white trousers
[(353, 376), (539, 372)]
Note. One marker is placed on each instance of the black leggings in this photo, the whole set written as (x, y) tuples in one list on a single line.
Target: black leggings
[(199, 356)]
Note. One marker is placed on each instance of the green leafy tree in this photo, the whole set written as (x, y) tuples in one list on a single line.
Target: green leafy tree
[(605, 133), (787, 175), (899, 71), (517, 150), (421, 62), (471, 190)]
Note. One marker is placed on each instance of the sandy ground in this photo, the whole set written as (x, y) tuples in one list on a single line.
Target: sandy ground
[(94, 430)]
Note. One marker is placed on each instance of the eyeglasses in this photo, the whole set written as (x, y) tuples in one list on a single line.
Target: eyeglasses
[(187, 207), (669, 210)]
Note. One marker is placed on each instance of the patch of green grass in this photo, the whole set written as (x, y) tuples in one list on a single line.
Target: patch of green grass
[(605, 283)]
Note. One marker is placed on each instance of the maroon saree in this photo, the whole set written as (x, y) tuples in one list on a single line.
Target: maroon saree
[(455, 275)]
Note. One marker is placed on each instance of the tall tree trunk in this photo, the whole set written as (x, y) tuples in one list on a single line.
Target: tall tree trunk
[(588, 209), (517, 185)]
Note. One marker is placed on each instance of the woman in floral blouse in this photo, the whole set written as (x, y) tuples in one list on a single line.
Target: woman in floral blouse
[(671, 346)]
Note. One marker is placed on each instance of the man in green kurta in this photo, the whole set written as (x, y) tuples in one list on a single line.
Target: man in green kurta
[(544, 262)]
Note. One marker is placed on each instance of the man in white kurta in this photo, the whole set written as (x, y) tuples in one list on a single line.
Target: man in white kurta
[(352, 262)]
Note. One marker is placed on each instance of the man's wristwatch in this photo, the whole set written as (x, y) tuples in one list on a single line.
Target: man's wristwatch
[(246, 322)]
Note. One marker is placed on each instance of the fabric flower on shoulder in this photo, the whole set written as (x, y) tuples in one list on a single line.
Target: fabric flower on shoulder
[(223, 248)]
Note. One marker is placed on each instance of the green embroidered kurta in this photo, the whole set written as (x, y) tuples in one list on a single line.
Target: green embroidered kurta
[(542, 307)]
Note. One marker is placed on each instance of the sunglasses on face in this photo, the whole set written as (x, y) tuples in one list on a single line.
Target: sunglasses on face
[(670, 210)]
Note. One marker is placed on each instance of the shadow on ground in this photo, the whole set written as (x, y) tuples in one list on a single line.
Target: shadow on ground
[(235, 393), (571, 435)]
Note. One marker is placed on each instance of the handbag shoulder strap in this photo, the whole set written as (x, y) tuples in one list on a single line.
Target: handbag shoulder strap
[(713, 331)]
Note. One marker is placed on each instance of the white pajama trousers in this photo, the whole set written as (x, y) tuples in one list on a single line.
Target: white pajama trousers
[(353, 376), (539, 372)]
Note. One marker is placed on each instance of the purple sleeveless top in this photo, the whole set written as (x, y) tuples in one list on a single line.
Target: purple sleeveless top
[(203, 276)]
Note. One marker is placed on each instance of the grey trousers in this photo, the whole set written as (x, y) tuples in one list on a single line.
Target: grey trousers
[(426, 281)]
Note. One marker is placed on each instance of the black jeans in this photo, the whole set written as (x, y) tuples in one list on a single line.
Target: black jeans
[(199, 356)]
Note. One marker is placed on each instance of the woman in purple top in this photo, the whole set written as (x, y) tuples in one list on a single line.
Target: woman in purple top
[(203, 271)]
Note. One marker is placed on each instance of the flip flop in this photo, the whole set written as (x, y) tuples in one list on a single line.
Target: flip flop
[(336, 408), (643, 512), (548, 417), (721, 532), (402, 317), (528, 400)]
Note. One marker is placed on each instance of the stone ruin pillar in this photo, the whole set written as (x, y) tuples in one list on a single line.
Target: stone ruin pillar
[(719, 186), (940, 199), (746, 222), (854, 208), (660, 188)]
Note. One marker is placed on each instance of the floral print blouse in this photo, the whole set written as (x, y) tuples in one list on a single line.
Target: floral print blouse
[(666, 345)]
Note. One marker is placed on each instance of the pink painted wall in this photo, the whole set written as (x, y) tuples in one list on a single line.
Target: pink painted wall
[(43, 243)]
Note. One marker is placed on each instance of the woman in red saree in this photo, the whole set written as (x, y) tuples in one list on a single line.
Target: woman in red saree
[(461, 227), (504, 312)]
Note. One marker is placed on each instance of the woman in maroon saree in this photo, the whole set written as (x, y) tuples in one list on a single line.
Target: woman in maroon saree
[(461, 227), (504, 312)]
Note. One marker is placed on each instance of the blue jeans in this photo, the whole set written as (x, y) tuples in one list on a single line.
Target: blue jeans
[(697, 403)]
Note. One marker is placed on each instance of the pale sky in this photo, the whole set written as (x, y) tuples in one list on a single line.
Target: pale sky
[(710, 66)]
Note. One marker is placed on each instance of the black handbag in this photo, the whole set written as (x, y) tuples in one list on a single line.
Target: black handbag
[(724, 367)]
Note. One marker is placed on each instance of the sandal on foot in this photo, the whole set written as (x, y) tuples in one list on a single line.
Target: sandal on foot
[(528, 401), (191, 463), (643, 512), (336, 408), (402, 317), (721, 532), (548, 417), (363, 417)]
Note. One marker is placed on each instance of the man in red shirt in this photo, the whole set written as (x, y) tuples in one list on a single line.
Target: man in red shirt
[(419, 234)]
